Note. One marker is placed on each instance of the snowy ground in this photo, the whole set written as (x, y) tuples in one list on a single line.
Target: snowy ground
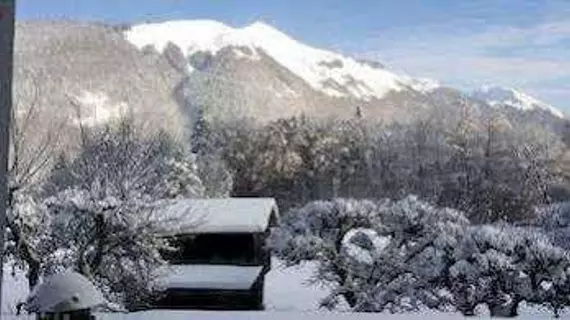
[(14, 289), (288, 295), (288, 289)]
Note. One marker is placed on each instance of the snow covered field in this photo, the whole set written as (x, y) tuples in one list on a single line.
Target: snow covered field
[(288, 296)]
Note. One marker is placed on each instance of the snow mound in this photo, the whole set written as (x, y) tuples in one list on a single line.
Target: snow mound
[(325, 71), (363, 245), (500, 96), (98, 109)]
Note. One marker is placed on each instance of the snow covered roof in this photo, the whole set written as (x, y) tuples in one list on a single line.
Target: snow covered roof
[(229, 215), (216, 277), (62, 292)]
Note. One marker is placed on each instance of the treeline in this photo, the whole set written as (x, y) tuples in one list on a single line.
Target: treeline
[(488, 169)]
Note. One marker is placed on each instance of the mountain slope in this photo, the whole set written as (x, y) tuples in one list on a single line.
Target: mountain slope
[(497, 96), (72, 73), (166, 73), (259, 72), (325, 71)]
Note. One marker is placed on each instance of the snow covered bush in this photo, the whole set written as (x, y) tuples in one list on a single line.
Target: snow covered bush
[(307, 233), (410, 271), (406, 255), (380, 256), (554, 220), (503, 266), (110, 240)]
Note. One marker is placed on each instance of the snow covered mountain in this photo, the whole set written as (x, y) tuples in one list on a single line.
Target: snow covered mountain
[(258, 71), (497, 96), (165, 73), (325, 71)]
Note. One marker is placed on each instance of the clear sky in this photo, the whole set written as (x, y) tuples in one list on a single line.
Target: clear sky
[(465, 43)]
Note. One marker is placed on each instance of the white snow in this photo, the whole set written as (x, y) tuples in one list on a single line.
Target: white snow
[(229, 215), (14, 289), (289, 289), (218, 277), (315, 66), (546, 285), (500, 96), (359, 253), (245, 315), (65, 291), (423, 84), (288, 295), (97, 108)]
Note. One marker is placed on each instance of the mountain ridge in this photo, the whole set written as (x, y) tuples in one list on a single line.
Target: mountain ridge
[(328, 72), (90, 73), (314, 65), (497, 96)]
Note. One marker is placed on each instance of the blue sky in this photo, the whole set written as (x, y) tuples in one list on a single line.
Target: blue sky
[(519, 43)]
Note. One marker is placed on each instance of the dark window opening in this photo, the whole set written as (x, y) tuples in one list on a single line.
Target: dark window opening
[(235, 249)]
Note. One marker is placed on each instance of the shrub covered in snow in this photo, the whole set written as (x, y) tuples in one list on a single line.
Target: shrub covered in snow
[(320, 226), (503, 266), (554, 220), (383, 255), (405, 255)]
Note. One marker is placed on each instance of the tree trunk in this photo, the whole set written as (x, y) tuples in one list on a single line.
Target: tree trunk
[(33, 273), (26, 254)]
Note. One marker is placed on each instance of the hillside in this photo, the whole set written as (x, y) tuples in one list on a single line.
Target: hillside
[(164, 74)]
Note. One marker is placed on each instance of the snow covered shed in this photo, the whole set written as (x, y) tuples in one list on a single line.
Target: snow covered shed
[(222, 257)]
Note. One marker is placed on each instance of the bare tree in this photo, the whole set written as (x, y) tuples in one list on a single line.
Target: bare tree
[(28, 160)]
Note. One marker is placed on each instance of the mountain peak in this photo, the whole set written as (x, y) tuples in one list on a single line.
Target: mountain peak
[(262, 27), (328, 72), (504, 96)]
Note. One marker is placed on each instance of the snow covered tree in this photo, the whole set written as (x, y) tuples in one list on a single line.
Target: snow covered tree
[(409, 272), (217, 180), (379, 256), (27, 229), (210, 165), (554, 221), (503, 266), (31, 154), (99, 205), (118, 160), (486, 168), (316, 232), (406, 255), (110, 240)]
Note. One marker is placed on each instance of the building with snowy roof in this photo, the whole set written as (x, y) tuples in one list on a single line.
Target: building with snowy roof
[(222, 257)]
